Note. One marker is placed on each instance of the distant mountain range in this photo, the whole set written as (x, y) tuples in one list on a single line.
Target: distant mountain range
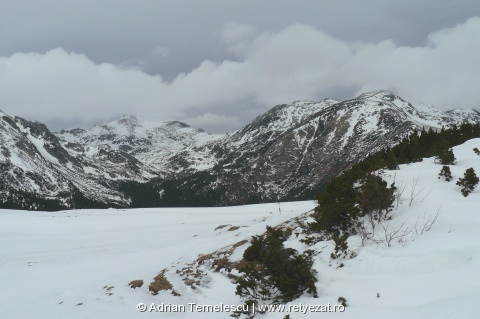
[(287, 153)]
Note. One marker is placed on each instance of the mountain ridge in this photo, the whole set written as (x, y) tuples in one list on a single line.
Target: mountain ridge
[(287, 153)]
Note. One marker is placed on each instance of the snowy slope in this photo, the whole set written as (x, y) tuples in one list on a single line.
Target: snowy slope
[(54, 262), (289, 152), (61, 265), (430, 275), (268, 126)]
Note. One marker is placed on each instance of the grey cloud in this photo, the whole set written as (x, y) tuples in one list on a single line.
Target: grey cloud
[(114, 31), (157, 67)]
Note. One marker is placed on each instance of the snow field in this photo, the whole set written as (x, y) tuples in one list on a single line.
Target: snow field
[(62, 264), (56, 264)]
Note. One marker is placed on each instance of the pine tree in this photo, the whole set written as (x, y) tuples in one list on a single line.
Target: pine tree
[(468, 182), (275, 271), (446, 173), (446, 157), (375, 199), (476, 151)]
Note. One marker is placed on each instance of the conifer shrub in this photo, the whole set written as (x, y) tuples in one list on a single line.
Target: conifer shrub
[(274, 272), (446, 156), (341, 246), (342, 203), (468, 182), (337, 210), (475, 149), (445, 172), (375, 199)]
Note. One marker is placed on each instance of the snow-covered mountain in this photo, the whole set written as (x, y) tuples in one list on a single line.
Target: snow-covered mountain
[(154, 144), (286, 153), (36, 166), (289, 152), (430, 270)]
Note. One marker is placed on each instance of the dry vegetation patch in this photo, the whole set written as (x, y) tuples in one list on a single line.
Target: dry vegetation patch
[(160, 282), (221, 226), (135, 284), (195, 274)]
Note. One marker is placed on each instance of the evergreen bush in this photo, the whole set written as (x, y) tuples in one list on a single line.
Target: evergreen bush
[(446, 157), (375, 199), (273, 271), (468, 182), (445, 172)]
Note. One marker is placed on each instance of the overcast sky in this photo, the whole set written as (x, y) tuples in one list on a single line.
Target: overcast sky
[(216, 64)]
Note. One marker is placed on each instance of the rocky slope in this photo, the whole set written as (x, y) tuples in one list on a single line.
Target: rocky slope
[(154, 144), (36, 167), (285, 154), (289, 152)]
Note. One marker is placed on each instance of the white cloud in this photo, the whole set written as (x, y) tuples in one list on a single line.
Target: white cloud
[(298, 62), (237, 37), (61, 85), (213, 121)]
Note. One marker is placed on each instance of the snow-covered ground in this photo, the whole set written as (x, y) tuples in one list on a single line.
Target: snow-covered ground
[(63, 264), (429, 275), (56, 264)]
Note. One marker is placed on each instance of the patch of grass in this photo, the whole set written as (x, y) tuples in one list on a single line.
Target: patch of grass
[(135, 283), (160, 282)]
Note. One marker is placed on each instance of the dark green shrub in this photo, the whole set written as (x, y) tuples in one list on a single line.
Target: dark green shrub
[(336, 210), (341, 246), (468, 182), (445, 171), (275, 272), (375, 199), (446, 156), (255, 284)]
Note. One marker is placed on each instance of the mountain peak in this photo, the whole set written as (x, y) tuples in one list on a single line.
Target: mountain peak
[(177, 124), (129, 120), (379, 94)]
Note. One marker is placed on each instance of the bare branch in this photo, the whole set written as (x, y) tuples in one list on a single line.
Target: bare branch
[(399, 193), (426, 195), (387, 235), (413, 190)]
